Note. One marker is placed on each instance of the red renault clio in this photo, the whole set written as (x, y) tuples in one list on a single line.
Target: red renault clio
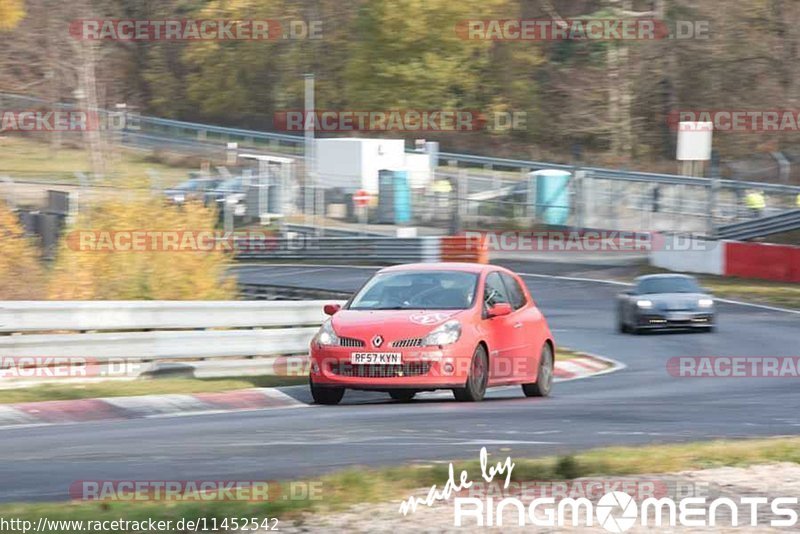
[(422, 327)]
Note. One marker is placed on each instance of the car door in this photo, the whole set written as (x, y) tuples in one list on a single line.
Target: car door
[(501, 345), (524, 333)]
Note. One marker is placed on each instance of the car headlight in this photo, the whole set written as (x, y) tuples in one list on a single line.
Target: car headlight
[(446, 334), (644, 304), (705, 303), (326, 335)]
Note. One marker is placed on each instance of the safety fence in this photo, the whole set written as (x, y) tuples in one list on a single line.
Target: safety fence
[(488, 190)]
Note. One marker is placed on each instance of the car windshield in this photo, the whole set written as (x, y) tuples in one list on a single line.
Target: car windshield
[(231, 184), (673, 284), (189, 185), (406, 290)]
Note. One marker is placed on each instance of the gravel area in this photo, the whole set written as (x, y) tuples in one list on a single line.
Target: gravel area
[(772, 480)]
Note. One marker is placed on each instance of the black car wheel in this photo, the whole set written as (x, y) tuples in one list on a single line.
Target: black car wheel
[(326, 395), (475, 388), (622, 328), (544, 379)]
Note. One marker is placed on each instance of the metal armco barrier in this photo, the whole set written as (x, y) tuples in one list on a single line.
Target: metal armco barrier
[(156, 330), (369, 250), (763, 226), (347, 249), (33, 316), (160, 345), (276, 292)]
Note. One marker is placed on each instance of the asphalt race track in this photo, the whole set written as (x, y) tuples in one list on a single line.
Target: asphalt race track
[(637, 405)]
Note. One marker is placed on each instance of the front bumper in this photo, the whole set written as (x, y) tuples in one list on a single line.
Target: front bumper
[(654, 320), (421, 368)]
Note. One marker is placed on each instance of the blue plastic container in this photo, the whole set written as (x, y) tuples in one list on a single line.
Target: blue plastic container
[(394, 197), (552, 196)]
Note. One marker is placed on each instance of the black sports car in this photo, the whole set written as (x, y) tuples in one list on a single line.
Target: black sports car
[(662, 301)]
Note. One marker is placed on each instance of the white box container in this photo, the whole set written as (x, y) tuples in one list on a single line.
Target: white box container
[(353, 163)]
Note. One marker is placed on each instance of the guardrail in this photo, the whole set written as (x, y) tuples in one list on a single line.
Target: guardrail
[(157, 131), (372, 250), (256, 291), (157, 330), (763, 226), (32, 316), (346, 249)]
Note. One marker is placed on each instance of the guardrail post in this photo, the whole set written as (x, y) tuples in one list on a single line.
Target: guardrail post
[(530, 194), (462, 201), (12, 198), (578, 200)]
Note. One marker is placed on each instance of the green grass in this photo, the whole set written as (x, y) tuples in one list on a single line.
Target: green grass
[(775, 293), (25, 158), (357, 485), (563, 354), (154, 386)]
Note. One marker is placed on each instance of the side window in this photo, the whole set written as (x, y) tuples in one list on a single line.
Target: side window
[(515, 293), (495, 291)]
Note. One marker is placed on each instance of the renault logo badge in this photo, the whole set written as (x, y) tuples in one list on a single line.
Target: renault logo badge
[(377, 341)]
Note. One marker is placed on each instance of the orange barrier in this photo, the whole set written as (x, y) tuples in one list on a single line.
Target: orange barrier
[(764, 261), (463, 248)]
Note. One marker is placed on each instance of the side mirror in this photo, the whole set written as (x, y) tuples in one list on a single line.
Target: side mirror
[(499, 310), (331, 309)]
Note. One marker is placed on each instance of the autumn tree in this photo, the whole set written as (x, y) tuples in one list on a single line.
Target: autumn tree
[(87, 272), (21, 275)]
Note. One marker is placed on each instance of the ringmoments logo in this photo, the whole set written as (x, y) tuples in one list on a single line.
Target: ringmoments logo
[(615, 511)]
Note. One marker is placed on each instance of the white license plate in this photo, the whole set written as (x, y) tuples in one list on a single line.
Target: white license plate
[(375, 358), (679, 316)]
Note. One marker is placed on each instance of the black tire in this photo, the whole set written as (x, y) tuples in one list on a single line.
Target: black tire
[(326, 395), (475, 388), (544, 378), (622, 328), (402, 395)]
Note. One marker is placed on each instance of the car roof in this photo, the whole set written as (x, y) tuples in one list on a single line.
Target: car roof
[(663, 275), (441, 266)]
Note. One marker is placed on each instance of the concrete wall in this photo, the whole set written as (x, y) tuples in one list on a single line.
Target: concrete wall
[(764, 261), (691, 256)]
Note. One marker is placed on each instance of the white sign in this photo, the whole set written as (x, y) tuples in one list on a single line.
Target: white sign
[(694, 141)]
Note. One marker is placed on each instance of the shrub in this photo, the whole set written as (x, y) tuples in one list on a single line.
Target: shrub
[(81, 274)]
